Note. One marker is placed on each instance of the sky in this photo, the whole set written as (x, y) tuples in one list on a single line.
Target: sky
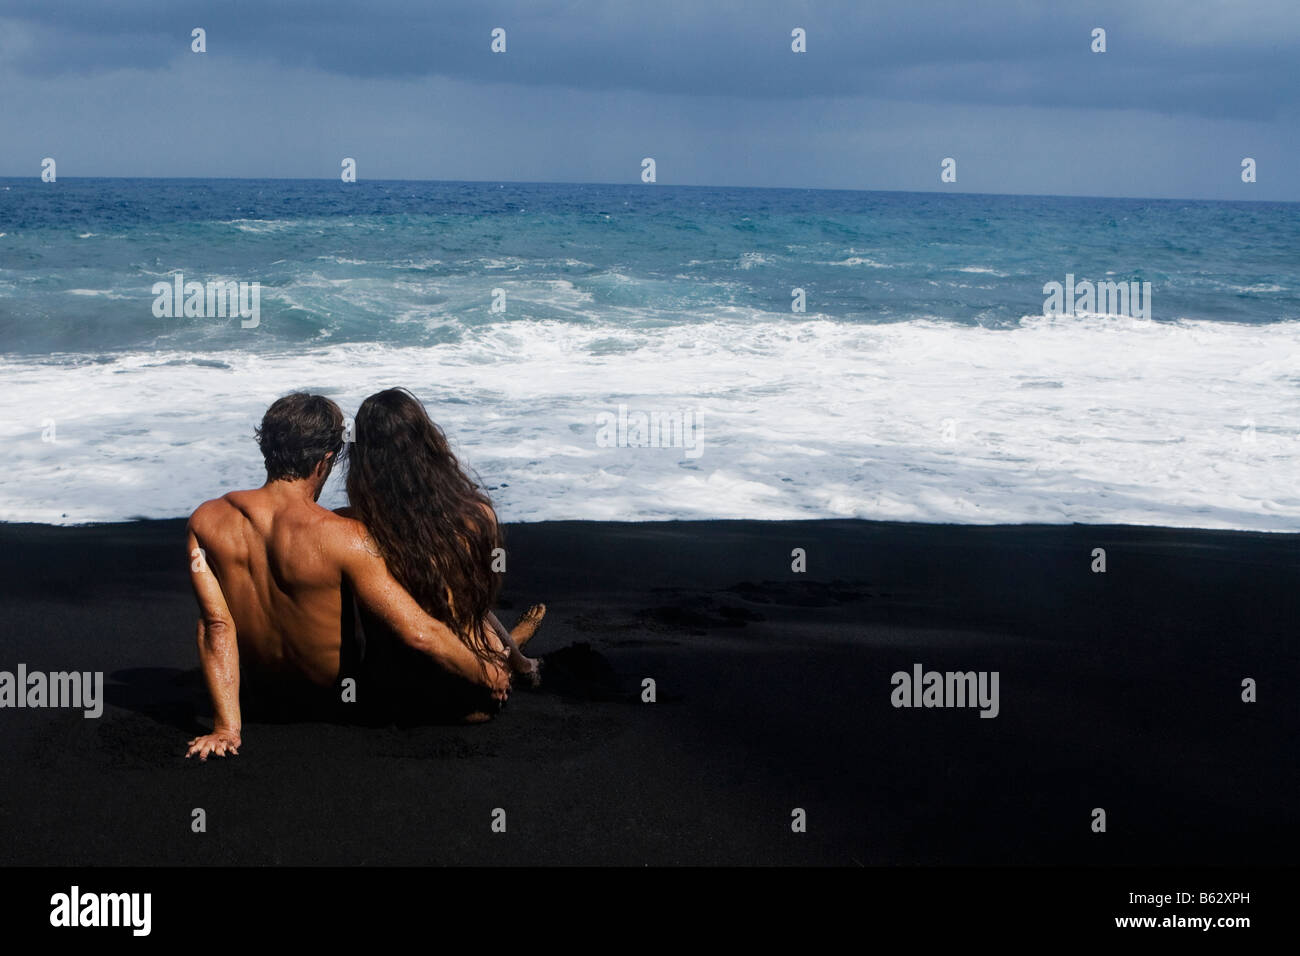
[(710, 89)]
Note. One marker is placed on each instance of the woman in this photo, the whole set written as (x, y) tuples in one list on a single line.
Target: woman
[(435, 528)]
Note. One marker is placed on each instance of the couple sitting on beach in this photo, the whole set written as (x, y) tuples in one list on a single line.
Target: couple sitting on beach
[(385, 605)]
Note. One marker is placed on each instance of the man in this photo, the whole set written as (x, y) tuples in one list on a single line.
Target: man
[(270, 568)]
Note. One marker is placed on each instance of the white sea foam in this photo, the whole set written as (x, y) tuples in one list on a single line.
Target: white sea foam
[(509, 263), (262, 226), (344, 260), (861, 261), (1057, 420)]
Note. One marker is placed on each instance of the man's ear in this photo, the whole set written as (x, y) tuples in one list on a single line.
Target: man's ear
[(325, 465)]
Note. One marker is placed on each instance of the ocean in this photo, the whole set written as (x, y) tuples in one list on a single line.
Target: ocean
[(922, 380)]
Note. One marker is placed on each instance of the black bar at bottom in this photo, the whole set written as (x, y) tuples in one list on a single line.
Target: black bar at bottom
[(235, 905)]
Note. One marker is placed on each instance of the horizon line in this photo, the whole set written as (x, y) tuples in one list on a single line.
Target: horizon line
[(512, 182)]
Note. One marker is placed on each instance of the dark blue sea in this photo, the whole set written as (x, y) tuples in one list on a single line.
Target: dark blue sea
[(826, 353)]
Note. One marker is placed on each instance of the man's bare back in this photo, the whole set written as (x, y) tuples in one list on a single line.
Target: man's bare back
[(277, 560), (269, 568)]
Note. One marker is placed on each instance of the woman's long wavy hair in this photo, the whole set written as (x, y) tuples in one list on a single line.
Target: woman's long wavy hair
[(433, 525)]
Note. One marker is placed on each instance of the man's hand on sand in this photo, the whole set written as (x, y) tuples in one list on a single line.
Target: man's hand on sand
[(219, 742)]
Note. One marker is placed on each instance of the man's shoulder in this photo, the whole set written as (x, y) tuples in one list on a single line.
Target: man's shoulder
[(350, 547), (232, 512), (344, 535), (217, 511)]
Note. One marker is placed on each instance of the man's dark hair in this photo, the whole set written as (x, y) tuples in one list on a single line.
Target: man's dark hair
[(297, 432)]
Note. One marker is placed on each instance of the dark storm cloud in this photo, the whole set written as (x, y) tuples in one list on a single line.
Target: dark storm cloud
[(709, 88), (1229, 60)]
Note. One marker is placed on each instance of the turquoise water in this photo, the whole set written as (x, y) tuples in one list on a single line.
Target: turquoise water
[(921, 381), (415, 263)]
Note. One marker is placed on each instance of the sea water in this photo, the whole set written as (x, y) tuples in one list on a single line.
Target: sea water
[(837, 354)]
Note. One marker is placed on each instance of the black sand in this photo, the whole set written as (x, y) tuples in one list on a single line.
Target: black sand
[(1119, 690)]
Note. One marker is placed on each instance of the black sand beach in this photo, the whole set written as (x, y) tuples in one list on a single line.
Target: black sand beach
[(1119, 690)]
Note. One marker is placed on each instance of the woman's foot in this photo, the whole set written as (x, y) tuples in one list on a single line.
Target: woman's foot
[(529, 668), (528, 624)]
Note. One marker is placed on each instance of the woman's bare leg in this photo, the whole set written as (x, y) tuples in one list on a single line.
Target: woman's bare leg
[(512, 641), (527, 625)]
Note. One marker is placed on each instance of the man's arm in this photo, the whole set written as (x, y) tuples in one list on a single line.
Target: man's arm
[(219, 656), (380, 594)]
